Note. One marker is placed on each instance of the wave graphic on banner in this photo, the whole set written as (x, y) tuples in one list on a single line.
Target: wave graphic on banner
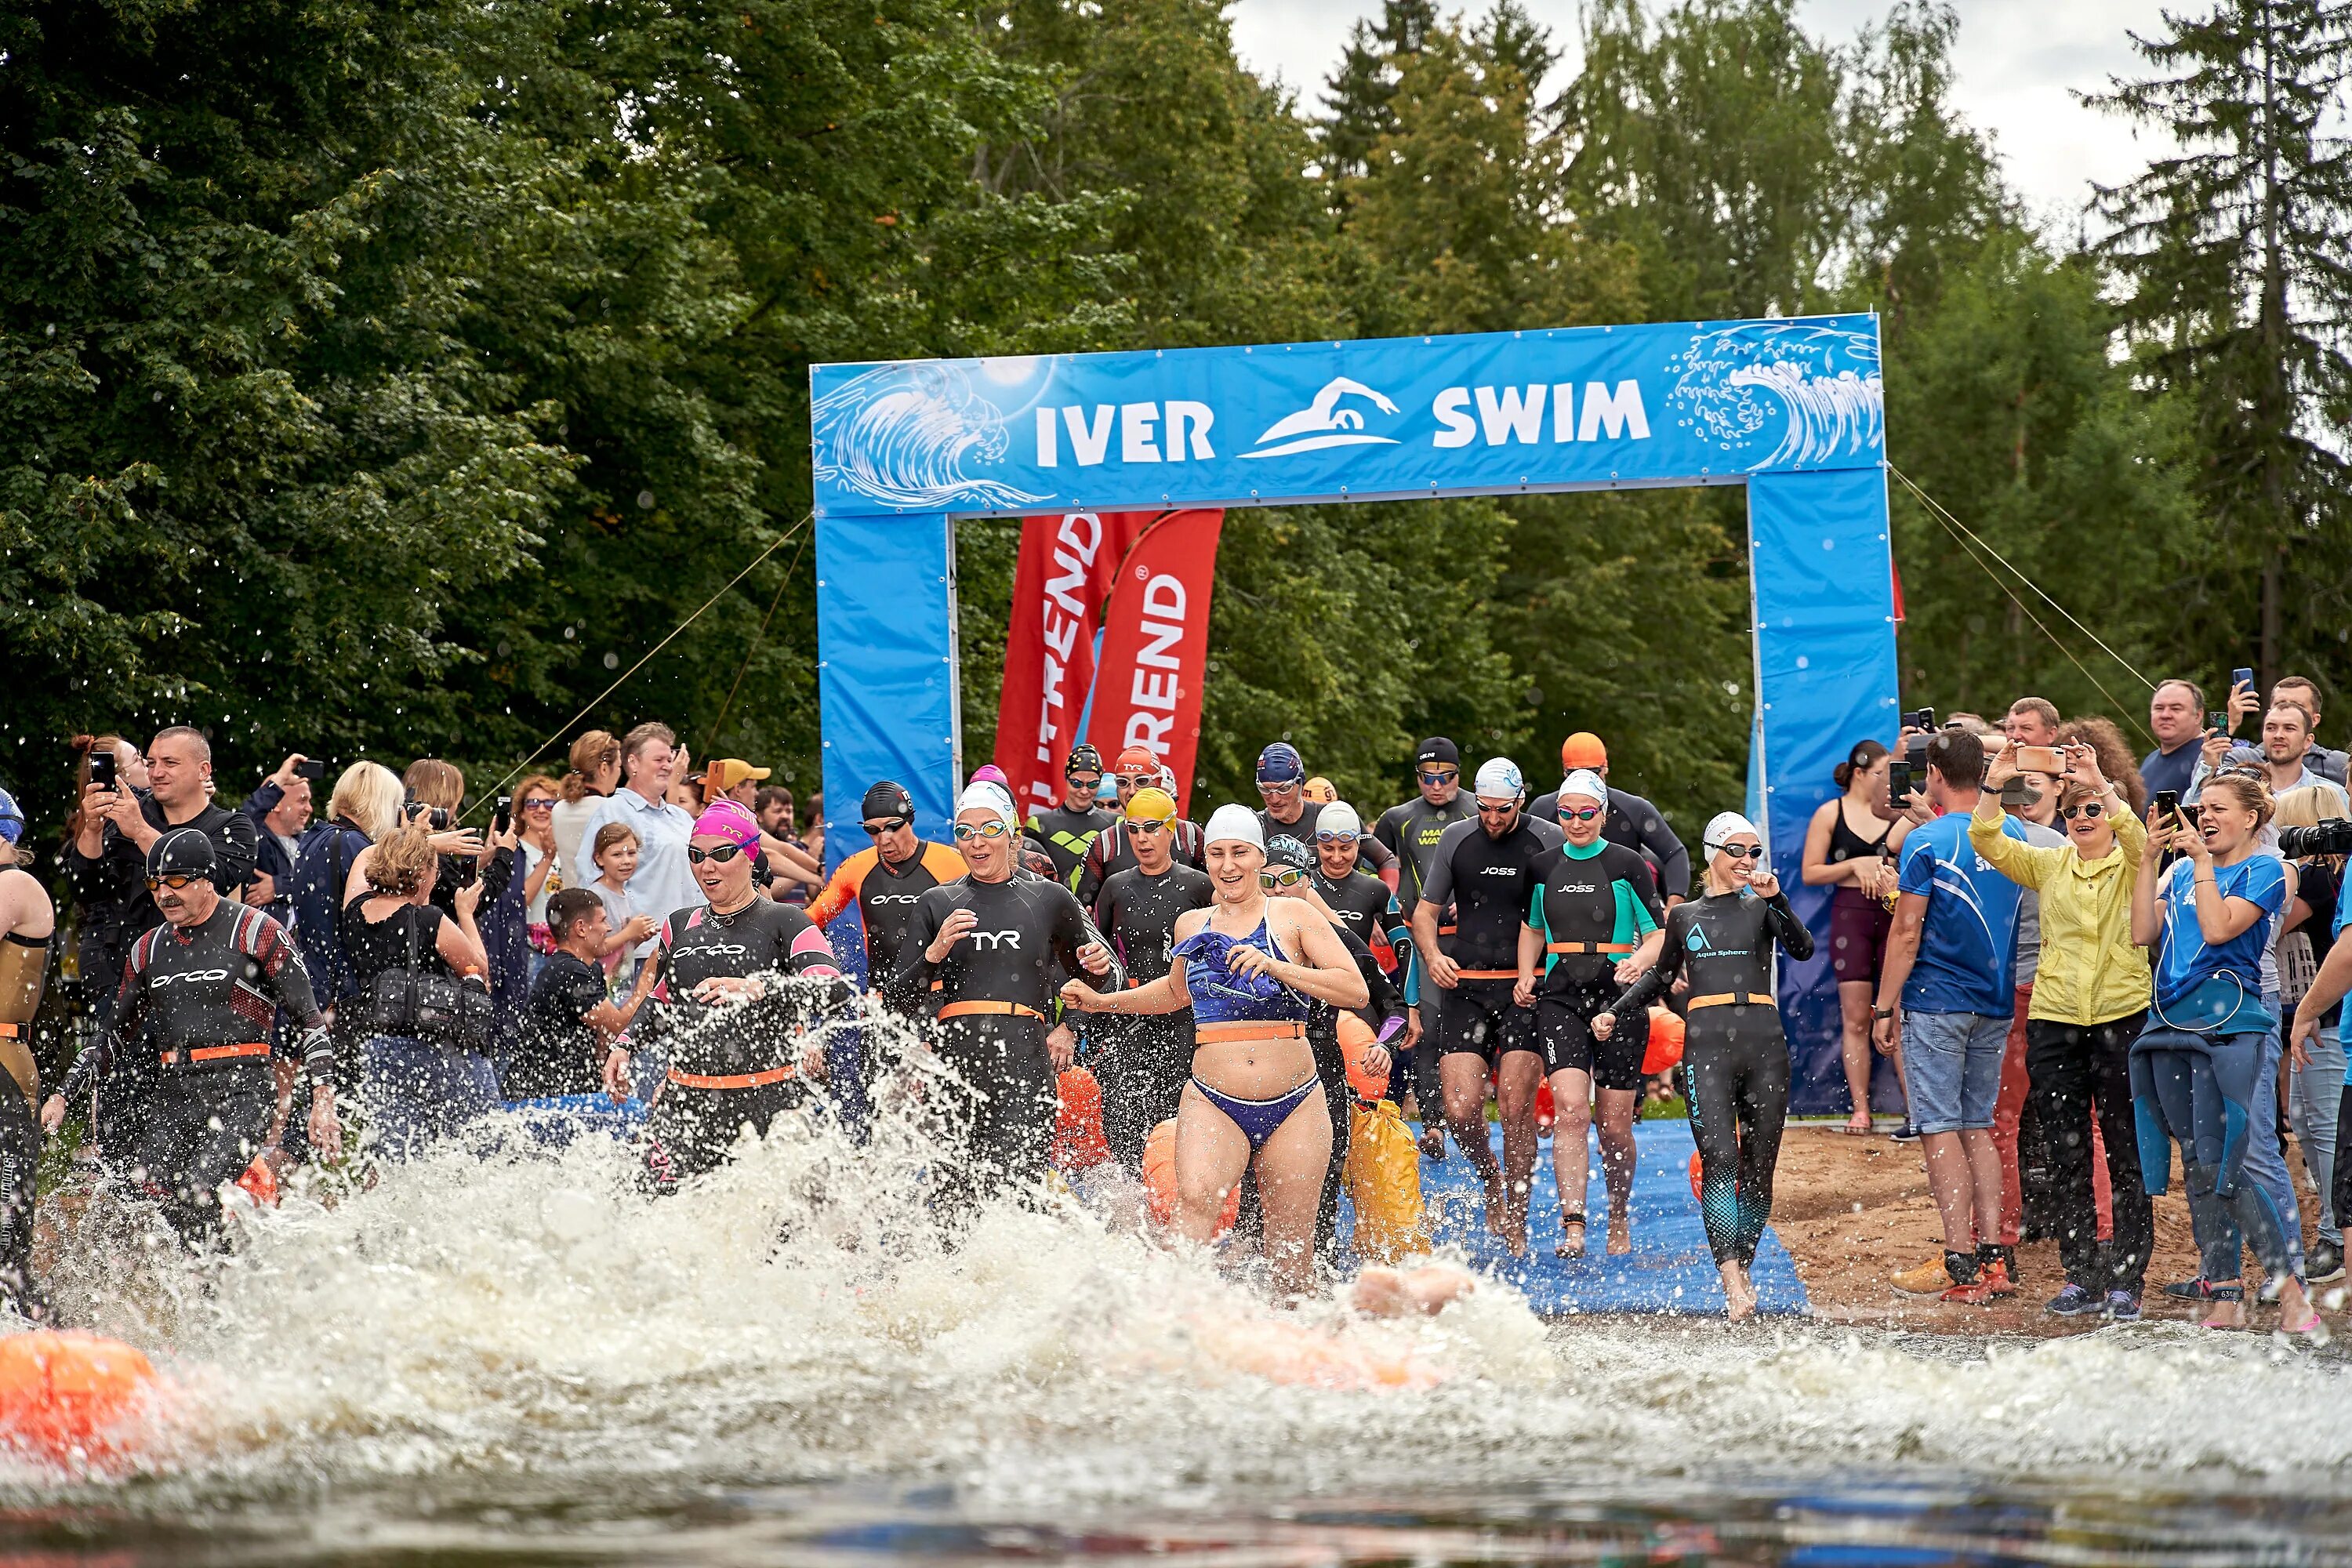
[(1819, 385), (911, 429)]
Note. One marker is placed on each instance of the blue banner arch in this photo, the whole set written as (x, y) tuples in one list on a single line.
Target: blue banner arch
[(1792, 409)]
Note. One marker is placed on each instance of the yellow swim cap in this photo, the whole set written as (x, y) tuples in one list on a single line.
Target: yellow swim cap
[(1154, 806)]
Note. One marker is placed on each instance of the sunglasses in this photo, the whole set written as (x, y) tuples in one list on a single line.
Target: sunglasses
[(1443, 775), (996, 829), (541, 803), (721, 855), (1741, 851), (1153, 825), (887, 825), (174, 882), (2089, 809), (1584, 814), (1288, 876)]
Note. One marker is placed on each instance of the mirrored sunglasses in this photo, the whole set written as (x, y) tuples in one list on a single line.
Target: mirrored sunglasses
[(1288, 877), (721, 853)]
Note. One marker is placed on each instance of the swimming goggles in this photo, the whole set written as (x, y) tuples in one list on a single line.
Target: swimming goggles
[(989, 830), (1288, 876), (719, 854)]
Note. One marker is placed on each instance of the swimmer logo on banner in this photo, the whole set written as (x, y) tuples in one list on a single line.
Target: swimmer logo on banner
[(1795, 410)]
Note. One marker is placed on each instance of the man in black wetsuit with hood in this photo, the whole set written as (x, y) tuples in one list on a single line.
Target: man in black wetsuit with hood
[(201, 990), (1067, 831), (986, 948)]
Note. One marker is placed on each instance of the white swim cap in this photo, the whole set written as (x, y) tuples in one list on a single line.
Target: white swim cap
[(1340, 817), (1233, 821), (1586, 783), (1722, 825), (1499, 779), (991, 798)]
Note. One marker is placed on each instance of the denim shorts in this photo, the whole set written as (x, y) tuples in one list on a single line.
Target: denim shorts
[(1951, 1065)]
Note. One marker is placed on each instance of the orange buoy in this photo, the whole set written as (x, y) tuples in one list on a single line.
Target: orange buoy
[(1665, 1041), (1356, 1037), (66, 1394), (1078, 1140), (1547, 1110), (1695, 1172), (1160, 1179)]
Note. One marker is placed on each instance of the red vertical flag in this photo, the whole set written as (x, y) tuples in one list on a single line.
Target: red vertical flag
[(1067, 563), (1155, 648)]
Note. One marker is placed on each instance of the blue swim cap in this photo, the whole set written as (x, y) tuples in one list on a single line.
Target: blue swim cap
[(12, 819), (1280, 764)]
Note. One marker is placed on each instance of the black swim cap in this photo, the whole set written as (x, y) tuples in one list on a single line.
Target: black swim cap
[(182, 852), (1084, 758), (1438, 748), (889, 798)]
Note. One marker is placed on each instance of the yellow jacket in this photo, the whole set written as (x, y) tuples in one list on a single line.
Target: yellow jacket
[(2091, 970)]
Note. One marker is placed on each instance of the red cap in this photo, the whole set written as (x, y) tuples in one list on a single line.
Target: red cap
[(1583, 750), (1138, 760)]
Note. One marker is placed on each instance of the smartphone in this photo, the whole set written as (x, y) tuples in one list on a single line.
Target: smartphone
[(1919, 719), (2039, 760), (2168, 804), (2241, 678), (313, 770), (2218, 722), (1898, 783), (503, 816), (102, 769)]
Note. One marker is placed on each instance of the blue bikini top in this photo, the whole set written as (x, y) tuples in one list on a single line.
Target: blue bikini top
[(1222, 996)]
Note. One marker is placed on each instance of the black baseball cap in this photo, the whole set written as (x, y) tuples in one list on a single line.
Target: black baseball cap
[(1437, 749)]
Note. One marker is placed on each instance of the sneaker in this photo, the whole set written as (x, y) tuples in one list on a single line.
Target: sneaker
[(2074, 1302), (2123, 1306), (2323, 1263), (1906, 1133), (2198, 1290), (1930, 1279), (1977, 1292)]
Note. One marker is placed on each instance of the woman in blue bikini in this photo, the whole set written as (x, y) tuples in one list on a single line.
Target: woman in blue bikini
[(1254, 1102)]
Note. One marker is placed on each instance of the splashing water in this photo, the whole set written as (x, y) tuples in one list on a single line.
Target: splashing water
[(529, 1332)]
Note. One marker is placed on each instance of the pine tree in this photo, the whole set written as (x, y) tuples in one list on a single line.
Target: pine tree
[(1360, 90), (2235, 251)]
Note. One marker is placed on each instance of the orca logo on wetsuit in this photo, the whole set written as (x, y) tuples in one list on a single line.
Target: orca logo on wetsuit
[(161, 978), (722, 949), (892, 898), (992, 939)]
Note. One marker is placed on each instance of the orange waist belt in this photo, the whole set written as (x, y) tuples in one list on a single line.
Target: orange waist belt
[(1590, 947), (217, 1053), (1486, 973), (729, 1081), (1248, 1029), (989, 1010), (15, 1031), (1728, 998)]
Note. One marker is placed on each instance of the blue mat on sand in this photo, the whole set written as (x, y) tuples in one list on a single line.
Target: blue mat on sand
[(1669, 1269)]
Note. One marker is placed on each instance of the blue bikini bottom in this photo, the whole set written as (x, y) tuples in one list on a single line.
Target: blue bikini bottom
[(1259, 1119)]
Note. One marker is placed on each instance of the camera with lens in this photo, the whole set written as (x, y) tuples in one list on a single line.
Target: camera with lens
[(435, 818), (2332, 836)]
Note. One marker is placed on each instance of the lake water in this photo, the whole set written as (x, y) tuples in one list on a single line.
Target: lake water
[(526, 1363)]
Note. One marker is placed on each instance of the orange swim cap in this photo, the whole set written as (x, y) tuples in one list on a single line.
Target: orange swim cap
[(1582, 750)]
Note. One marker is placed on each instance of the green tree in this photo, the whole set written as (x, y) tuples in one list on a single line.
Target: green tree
[(2234, 252)]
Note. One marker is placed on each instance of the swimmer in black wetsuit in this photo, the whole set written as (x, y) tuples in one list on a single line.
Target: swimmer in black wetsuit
[(28, 921), (1734, 1055), (1592, 927), (738, 951), (986, 949), (1483, 868), (1065, 832), (1142, 1061), (203, 988)]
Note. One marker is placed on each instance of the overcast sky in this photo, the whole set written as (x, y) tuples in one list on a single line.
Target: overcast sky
[(2019, 63)]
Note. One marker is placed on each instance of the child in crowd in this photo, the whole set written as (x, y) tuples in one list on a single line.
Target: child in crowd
[(615, 856)]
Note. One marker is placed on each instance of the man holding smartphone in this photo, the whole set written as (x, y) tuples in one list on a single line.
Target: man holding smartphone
[(107, 860), (2176, 717), (281, 811)]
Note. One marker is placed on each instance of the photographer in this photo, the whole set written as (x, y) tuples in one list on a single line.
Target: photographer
[(2087, 1003), (420, 1078), (280, 811), (364, 806), (2316, 1060), (117, 825), (104, 918)]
